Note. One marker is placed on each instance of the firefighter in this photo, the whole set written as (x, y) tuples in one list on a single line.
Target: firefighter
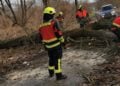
[(52, 39), (82, 16), (116, 27), (60, 18)]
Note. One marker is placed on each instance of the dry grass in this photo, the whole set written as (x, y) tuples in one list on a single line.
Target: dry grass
[(11, 32), (7, 31)]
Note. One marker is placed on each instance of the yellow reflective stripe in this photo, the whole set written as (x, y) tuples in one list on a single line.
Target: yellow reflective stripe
[(116, 24), (45, 24), (54, 39), (61, 39), (59, 70), (51, 46), (51, 67)]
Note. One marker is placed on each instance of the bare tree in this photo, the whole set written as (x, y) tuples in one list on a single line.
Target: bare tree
[(24, 17), (24, 10), (76, 4), (12, 11), (45, 3), (28, 7), (2, 6), (25, 6)]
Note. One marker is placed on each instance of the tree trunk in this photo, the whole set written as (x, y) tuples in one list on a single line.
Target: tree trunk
[(24, 12), (2, 5), (45, 3), (12, 11), (76, 33), (76, 4)]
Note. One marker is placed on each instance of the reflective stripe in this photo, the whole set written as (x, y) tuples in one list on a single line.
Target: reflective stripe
[(51, 46), (51, 67), (59, 70), (116, 24), (50, 40), (61, 39), (45, 24), (51, 43)]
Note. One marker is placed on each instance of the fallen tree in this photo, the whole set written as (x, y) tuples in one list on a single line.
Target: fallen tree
[(74, 34)]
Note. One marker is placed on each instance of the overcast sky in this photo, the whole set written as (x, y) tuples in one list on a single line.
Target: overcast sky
[(67, 0)]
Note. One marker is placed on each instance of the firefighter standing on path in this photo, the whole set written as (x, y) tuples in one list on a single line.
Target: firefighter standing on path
[(82, 16), (52, 39), (116, 27)]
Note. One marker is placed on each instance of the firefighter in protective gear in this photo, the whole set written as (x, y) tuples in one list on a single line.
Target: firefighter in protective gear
[(116, 27), (82, 16), (60, 19), (52, 39)]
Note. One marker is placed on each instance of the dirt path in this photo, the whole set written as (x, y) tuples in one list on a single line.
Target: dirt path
[(76, 63)]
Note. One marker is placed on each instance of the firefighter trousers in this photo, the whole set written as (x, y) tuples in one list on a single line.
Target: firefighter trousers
[(55, 55), (83, 22)]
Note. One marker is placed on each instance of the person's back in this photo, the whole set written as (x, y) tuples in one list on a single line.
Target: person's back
[(52, 39), (82, 16)]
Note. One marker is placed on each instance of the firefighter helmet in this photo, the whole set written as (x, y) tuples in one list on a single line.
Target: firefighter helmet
[(61, 13), (80, 6), (49, 10)]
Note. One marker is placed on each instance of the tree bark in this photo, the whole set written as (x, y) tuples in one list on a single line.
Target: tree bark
[(76, 4), (24, 12)]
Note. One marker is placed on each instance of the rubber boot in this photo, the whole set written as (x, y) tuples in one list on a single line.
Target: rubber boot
[(60, 76), (51, 73)]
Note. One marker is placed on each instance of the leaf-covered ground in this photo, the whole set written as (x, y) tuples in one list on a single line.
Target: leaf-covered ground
[(28, 66)]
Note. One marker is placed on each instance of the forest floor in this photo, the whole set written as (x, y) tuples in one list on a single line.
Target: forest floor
[(85, 64), (27, 66)]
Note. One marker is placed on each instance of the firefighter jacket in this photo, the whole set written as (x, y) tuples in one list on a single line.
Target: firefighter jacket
[(81, 14), (116, 22), (50, 34)]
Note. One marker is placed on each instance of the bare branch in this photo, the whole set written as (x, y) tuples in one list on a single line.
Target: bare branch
[(31, 4), (12, 11)]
